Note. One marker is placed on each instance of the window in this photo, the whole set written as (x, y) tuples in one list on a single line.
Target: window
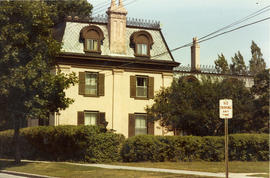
[(91, 84), (141, 86), (140, 124), (142, 42), (91, 45), (142, 49), (92, 36), (91, 80), (90, 118)]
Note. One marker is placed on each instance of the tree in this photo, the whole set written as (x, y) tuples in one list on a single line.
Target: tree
[(192, 106), (238, 64), (257, 63), (261, 91), (27, 57), (64, 8), (221, 64)]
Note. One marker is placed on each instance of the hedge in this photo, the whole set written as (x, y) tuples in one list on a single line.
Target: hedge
[(94, 144), (242, 147), (62, 143)]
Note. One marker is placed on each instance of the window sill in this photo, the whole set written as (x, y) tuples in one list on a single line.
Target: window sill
[(141, 98), (88, 95), (92, 52), (141, 55)]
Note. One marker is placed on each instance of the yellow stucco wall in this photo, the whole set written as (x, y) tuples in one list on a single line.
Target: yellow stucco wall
[(117, 105)]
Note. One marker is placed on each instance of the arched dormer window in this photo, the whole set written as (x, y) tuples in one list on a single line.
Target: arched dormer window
[(92, 37), (142, 42)]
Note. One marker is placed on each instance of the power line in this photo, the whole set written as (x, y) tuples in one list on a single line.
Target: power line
[(104, 8), (234, 29), (200, 41), (239, 21)]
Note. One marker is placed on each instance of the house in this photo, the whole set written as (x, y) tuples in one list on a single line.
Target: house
[(119, 66), (196, 71)]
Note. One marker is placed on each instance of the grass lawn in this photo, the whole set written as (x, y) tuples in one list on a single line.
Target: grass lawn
[(66, 170), (234, 166)]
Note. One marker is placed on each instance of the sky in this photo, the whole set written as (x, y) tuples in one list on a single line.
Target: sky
[(181, 20)]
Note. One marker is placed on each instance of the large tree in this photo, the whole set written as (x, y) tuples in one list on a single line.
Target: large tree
[(261, 92), (28, 88), (238, 66), (64, 8), (192, 106), (256, 63), (221, 64)]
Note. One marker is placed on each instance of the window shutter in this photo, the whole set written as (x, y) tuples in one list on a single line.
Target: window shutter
[(132, 86), (131, 125), (150, 127), (101, 84), (151, 87), (80, 118), (102, 120), (81, 83)]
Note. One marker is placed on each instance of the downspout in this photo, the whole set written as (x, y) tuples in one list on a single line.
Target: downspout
[(112, 99)]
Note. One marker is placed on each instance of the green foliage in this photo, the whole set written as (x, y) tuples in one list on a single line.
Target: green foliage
[(238, 64), (221, 64), (79, 143), (256, 63), (242, 147), (261, 91), (28, 88), (64, 8), (192, 107)]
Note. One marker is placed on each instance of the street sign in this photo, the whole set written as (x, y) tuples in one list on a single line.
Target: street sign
[(225, 109), (226, 112)]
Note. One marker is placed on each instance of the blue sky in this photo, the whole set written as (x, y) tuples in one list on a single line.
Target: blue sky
[(182, 20)]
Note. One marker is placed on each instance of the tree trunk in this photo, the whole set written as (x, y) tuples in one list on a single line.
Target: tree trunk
[(16, 140)]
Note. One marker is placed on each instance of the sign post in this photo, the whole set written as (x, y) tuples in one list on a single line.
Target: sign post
[(225, 112)]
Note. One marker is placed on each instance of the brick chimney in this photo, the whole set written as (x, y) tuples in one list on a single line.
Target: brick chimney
[(117, 27), (195, 55)]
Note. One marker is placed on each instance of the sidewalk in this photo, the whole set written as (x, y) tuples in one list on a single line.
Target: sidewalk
[(173, 171)]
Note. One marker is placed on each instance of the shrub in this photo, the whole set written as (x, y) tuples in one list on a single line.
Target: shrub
[(242, 147), (60, 143), (143, 148)]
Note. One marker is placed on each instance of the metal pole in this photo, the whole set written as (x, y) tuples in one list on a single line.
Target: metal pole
[(226, 148)]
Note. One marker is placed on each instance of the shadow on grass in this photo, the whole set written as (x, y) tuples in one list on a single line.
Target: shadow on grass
[(8, 163)]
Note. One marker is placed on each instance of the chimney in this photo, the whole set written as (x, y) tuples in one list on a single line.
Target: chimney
[(117, 27), (195, 55)]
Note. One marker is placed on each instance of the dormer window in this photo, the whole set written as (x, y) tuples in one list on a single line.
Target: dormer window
[(142, 49), (91, 45), (142, 42), (92, 37)]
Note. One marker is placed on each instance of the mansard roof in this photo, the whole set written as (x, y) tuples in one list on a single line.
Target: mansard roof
[(68, 33)]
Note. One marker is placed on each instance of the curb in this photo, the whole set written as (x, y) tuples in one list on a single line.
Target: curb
[(25, 174)]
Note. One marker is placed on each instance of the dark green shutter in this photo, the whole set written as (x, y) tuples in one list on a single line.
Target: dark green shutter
[(150, 127), (102, 120), (151, 87), (81, 83), (101, 84), (131, 125), (132, 86), (80, 116)]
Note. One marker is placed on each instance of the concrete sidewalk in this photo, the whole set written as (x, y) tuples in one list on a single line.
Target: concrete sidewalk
[(173, 171)]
